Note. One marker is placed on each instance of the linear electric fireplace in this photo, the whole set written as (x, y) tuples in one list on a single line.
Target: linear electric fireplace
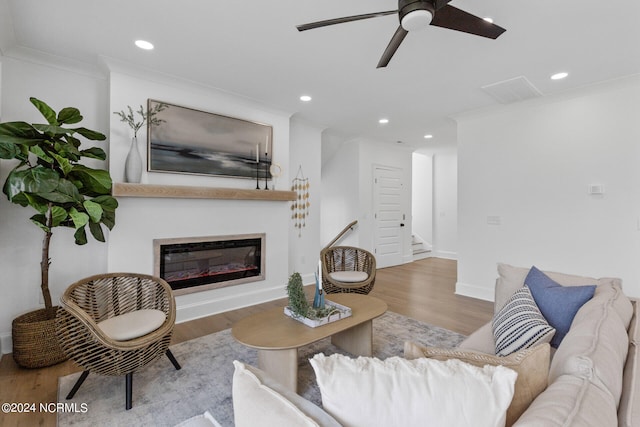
[(202, 263)]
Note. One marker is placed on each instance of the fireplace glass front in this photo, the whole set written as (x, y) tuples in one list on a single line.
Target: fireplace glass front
[(190, 265)]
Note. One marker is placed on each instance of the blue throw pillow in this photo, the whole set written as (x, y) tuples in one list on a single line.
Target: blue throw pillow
[(558, 304)]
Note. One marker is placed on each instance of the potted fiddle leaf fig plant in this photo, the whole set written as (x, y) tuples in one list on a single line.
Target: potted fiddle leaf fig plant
[(50, 179)]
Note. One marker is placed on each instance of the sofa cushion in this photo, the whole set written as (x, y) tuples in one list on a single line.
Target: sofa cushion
[(511, 278), (629, 410), (558, 304), (481, 340), (571, 402), (532, 366), (258, 400), (519, 324), (399, 392), (597, 343)]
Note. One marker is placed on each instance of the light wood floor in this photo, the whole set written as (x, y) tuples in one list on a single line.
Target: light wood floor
[(423, 290)]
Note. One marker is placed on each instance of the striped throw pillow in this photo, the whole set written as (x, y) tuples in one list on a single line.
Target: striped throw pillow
[(520, 324)]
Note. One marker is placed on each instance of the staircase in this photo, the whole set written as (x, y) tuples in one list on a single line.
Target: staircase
[(421, 249)]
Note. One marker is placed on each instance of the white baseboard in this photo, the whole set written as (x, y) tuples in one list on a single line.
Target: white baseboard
[(445, 254), (474, 291), (422, 255), (309, 279), (186, 312), (6, 344)]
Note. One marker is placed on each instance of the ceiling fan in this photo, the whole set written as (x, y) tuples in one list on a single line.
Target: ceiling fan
[(416, 14)]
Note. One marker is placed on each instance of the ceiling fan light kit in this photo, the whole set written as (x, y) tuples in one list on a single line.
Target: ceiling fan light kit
[(417, 14)]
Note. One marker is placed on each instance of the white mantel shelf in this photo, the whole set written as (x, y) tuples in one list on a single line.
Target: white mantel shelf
[(121, 189)]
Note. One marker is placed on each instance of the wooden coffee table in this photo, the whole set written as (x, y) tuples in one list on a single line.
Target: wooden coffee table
[(278, 337)]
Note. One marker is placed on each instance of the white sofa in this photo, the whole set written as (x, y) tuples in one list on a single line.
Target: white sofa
[(592, 378)]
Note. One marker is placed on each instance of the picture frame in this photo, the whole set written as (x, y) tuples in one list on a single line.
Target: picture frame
[(191, 141)]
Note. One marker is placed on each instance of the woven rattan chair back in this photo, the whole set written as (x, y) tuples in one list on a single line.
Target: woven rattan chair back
[(347, 258), (91, 300)]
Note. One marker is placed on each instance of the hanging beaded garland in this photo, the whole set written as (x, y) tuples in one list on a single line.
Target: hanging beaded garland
[(300, 206)]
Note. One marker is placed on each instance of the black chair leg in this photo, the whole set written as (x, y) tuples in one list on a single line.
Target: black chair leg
[(77, 385), (173, 360), (129, 381)]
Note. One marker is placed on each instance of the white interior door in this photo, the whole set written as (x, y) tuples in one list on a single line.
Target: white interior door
[(387, 201)]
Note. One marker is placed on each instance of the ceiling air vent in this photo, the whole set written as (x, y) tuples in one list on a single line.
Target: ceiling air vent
[(512, 90)]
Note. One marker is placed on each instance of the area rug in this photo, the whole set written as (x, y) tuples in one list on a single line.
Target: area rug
[(163, 396)]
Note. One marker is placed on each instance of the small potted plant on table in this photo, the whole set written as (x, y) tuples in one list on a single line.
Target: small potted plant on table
[(311, 314)]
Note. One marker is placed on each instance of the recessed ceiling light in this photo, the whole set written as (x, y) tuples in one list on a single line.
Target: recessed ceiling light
[(559, 76), (383, 121), (143, 44), (428, 136), (305, 98), (489, 20)]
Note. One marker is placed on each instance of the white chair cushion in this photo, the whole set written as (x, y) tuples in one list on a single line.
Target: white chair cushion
[(349, 276), (133, 324)]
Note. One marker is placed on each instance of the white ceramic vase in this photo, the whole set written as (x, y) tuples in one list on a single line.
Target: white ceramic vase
[(133, 164)]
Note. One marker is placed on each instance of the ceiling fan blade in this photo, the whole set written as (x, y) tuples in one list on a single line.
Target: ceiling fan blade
[(334, 21), (394, 44), (459, 20), (439, 4)]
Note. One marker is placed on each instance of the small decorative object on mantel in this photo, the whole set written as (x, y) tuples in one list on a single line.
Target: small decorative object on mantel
[(133, 163), (301, 310), (257, 166), (267, 164), (276, 171), (300, 206)]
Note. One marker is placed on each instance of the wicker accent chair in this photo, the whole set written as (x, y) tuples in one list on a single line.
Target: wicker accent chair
[(347, 269), (140, 313)]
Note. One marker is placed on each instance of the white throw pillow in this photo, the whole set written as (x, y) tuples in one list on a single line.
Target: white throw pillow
[(520, 324), (259, 400), (369, 392)]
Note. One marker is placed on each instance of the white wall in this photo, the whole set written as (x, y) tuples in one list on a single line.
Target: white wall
[(422, 198), (304, 243), (140, 220), (445, 205), (530, 165), (347, 186), (21, 240), (340, 194)]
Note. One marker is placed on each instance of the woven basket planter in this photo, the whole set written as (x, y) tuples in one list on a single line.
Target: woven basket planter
[(35, 343)]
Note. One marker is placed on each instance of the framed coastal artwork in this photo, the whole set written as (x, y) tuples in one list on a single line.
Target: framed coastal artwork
[(191, 141)]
